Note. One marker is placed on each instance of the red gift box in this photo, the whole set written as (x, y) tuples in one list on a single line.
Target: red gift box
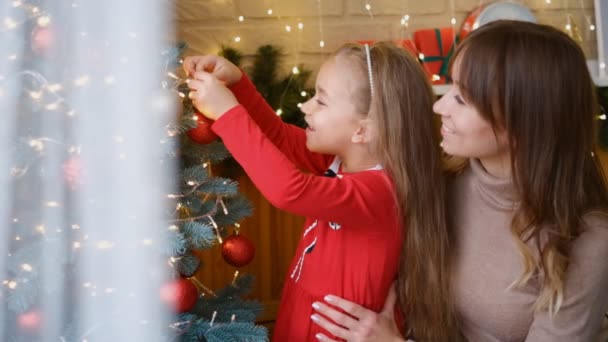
[(436, 47)]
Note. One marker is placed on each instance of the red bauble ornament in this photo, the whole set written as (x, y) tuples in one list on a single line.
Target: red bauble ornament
[(237, 250), (202, 133), (73, 172), (30, 321), (179, 294), (43, 39)]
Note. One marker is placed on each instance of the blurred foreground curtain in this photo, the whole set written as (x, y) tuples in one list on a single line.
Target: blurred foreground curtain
[(81, 182)]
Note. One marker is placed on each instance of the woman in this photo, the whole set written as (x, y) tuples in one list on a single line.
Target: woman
[(527, 205)]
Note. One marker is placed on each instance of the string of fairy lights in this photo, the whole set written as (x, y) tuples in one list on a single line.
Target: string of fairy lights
[(405, 19)]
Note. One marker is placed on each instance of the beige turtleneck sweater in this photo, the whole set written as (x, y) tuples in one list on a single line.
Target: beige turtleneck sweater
[(488, 261)]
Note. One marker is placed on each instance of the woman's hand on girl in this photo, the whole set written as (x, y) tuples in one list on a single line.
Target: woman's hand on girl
[(209, 95), (360, 324)]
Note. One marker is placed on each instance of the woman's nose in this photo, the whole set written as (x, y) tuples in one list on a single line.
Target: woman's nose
[(438, 106)]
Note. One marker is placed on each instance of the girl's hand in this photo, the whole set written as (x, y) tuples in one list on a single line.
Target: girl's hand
[(366, 325), (210, 96), (217, 66)]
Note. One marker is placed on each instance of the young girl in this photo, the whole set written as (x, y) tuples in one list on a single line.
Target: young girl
[(529, 206), (370, 163)]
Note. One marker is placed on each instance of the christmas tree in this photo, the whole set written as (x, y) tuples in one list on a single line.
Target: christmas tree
[(207, 207)]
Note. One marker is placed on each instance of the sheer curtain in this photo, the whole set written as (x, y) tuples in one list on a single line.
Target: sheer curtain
[(83, 188)]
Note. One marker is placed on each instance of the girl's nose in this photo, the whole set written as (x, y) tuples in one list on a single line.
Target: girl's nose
[(306, 107)]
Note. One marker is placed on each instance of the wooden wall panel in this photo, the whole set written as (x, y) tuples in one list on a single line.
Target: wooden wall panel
[(603, 157)]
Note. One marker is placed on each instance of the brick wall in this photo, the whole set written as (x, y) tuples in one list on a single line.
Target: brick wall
[(207, 24)]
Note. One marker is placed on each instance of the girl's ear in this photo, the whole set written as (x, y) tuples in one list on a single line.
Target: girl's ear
[(364, 133)]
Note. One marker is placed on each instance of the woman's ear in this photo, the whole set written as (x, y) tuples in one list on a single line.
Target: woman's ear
[(364, 133)]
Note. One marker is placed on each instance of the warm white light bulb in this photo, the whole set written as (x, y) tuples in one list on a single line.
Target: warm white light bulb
[(43, 21), (35, 95), (82, 81), (52, 106), (53, 88), (10, 23), (105, 244), (40, 229)]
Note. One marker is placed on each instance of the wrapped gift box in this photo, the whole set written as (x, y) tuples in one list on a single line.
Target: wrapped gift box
[(435, 47)]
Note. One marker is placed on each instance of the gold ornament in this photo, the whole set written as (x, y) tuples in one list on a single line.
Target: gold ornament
[(183, 212)]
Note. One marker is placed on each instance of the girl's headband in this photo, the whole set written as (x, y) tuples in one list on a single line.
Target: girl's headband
[(369, 69)]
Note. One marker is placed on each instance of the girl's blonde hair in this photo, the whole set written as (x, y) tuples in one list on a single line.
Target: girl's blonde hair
[(409, 150)]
